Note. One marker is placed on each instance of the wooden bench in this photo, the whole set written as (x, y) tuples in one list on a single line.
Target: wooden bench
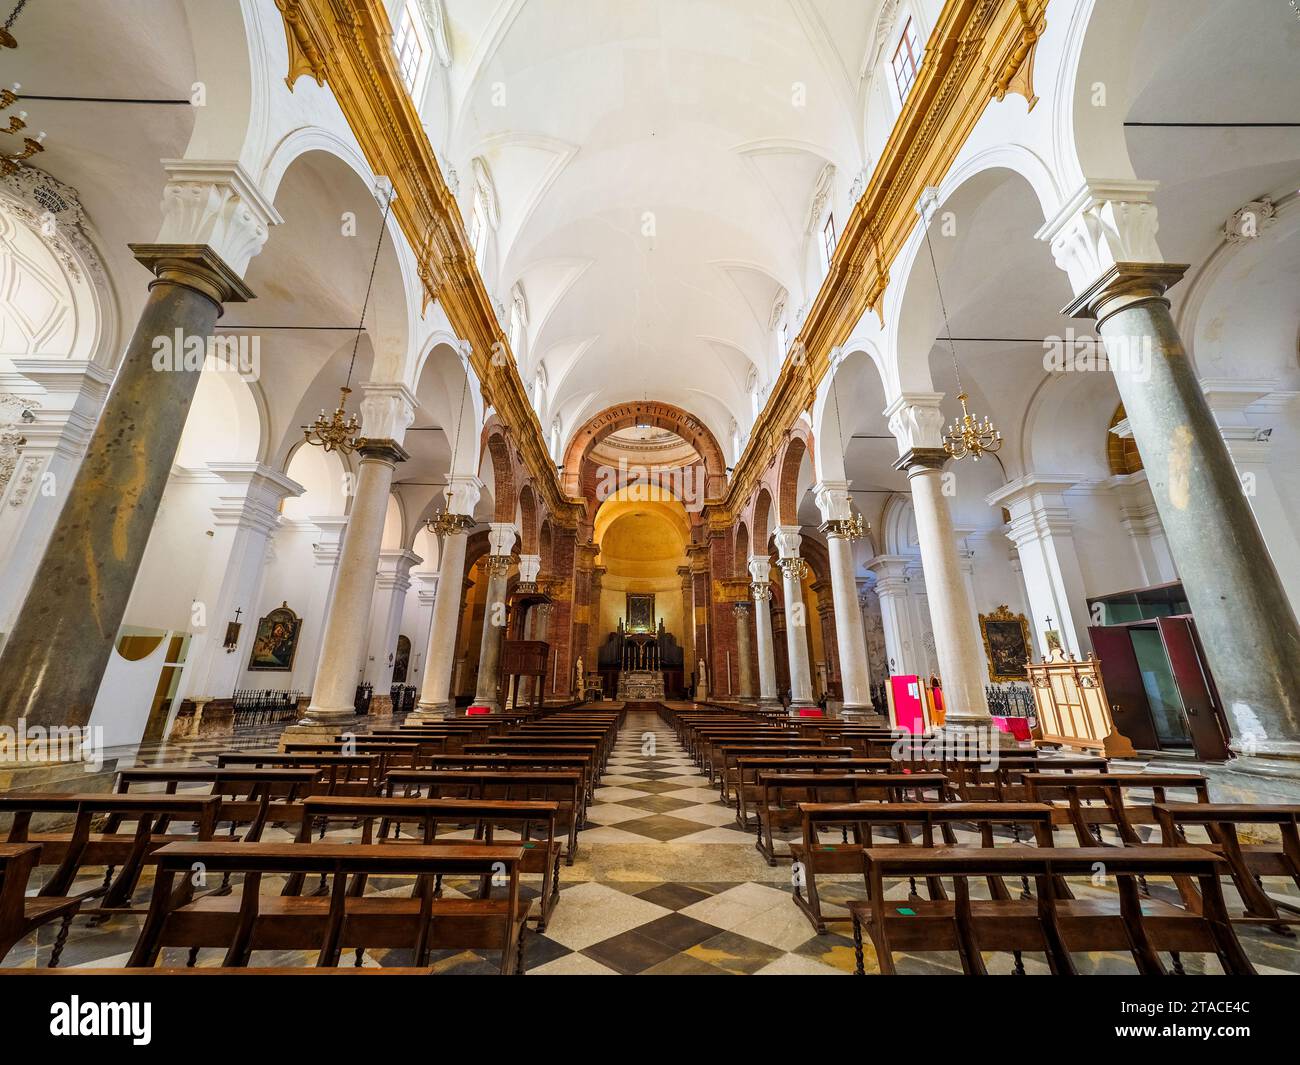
[(1249, 861), (860, 825), (564, 788), (779, 793), (340, 920), (21, 915), (72, 850), (1073, 795), (392, 754), (533, 820), (1047, 924), (750, 768), (340, 774), (729, 757)]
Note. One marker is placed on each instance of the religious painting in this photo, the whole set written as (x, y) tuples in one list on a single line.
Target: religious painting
[(402, 662), (276, 641), (640, 613), (1006, 643)]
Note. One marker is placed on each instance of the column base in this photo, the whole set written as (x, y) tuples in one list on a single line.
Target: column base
[(432, 711), (1272, 777), (321, 725), (863, 714), (493, 705), (979, 729)]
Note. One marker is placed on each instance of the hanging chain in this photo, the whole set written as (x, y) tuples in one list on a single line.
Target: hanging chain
[(947, 326), (383, 225), (9, 22)]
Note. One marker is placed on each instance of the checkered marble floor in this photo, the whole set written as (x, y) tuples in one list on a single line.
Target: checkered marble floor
[(665, 883)]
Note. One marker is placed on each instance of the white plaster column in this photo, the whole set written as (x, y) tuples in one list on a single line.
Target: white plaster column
[(462, 494), (1244, 411), (426, 593), (386, 411), (915, 420), (392, 582), (895, 613), (246, 515), (1043, 531), (788, 539), (760, 574), (850, 636), (64, 399), (325, 557), (501, 540)]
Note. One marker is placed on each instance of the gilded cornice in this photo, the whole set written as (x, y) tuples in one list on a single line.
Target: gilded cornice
[(979, 50), (345, 44)]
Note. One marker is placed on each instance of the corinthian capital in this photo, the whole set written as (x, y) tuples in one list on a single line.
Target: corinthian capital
[(217, 204)]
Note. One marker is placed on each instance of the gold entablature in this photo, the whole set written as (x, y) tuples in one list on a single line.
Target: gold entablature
[(978, 52)]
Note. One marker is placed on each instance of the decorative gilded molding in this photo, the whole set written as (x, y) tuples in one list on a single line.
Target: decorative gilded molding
[(1018, 73), (347, 44)]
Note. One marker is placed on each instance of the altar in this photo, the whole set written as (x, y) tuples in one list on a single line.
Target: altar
[(641, 685)]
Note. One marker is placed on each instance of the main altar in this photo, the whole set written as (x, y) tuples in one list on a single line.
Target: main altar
[(641, 661)]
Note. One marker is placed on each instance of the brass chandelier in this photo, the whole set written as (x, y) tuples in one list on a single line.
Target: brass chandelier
[(852, 527), (11, 160), (340, 431), (968, 435), (447, 522)]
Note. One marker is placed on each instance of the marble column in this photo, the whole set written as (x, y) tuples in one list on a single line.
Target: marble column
[(56, 654), (1246, 624), (529, 567), (245, 519), (760, 572), (855, 674), (744, 652), (392, 582), (436, 699), (895, 613), (501, 539), (1246, 413), (1043, 531), (386, 410), (688, 626), (700, 589), (65, 397), (961, 658), (793, 568), (595, 635), (325, 557)]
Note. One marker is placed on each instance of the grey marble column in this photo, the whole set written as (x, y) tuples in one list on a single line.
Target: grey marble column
[(1242, 613), (494, 627), (55, 657)]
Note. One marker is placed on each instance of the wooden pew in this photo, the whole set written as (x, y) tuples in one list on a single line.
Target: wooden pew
[(750, 768), (565, 788), (729, 757), (534, 821), (21, 915), (330, 924), (340, 774), (72, 850), (780, 792), (1056, 927), (393, 753), (1073, 793), (1247, 862), (861, 824), (540, 752)]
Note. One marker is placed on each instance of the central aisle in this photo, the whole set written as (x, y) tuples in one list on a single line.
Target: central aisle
[(667, 882)]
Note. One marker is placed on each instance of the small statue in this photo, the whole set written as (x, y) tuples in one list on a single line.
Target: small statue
[(582, 677)]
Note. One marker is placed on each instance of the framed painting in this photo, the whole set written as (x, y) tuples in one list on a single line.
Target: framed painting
[(1006, 643), (640, 613), (402, 661), (276, 641)]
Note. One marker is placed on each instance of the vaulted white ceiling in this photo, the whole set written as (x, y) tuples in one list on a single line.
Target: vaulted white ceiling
[(653, 166)]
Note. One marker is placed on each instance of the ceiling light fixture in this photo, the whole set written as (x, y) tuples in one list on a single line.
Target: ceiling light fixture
[(340, 431), (7, 39), (447, 522), (969, 435)]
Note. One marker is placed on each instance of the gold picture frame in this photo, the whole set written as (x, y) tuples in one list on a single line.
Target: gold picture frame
[(1006, 644)]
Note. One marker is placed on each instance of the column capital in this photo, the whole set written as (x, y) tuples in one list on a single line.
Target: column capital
[(529, 567), (833, 499), (501, 537), (386, 410), (760, 569), (382, 449), (916, 419), (217, 204), (921, 459), (462, 493), (788, 538), (196, 267), (1122, 285), (255, 495), (1105, 222), (395, 568)]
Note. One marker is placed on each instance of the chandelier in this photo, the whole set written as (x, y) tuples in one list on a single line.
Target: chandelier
[(340, 431), (447, 522), (7, 39), (969, 436), (9, 161), (852, 527)]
